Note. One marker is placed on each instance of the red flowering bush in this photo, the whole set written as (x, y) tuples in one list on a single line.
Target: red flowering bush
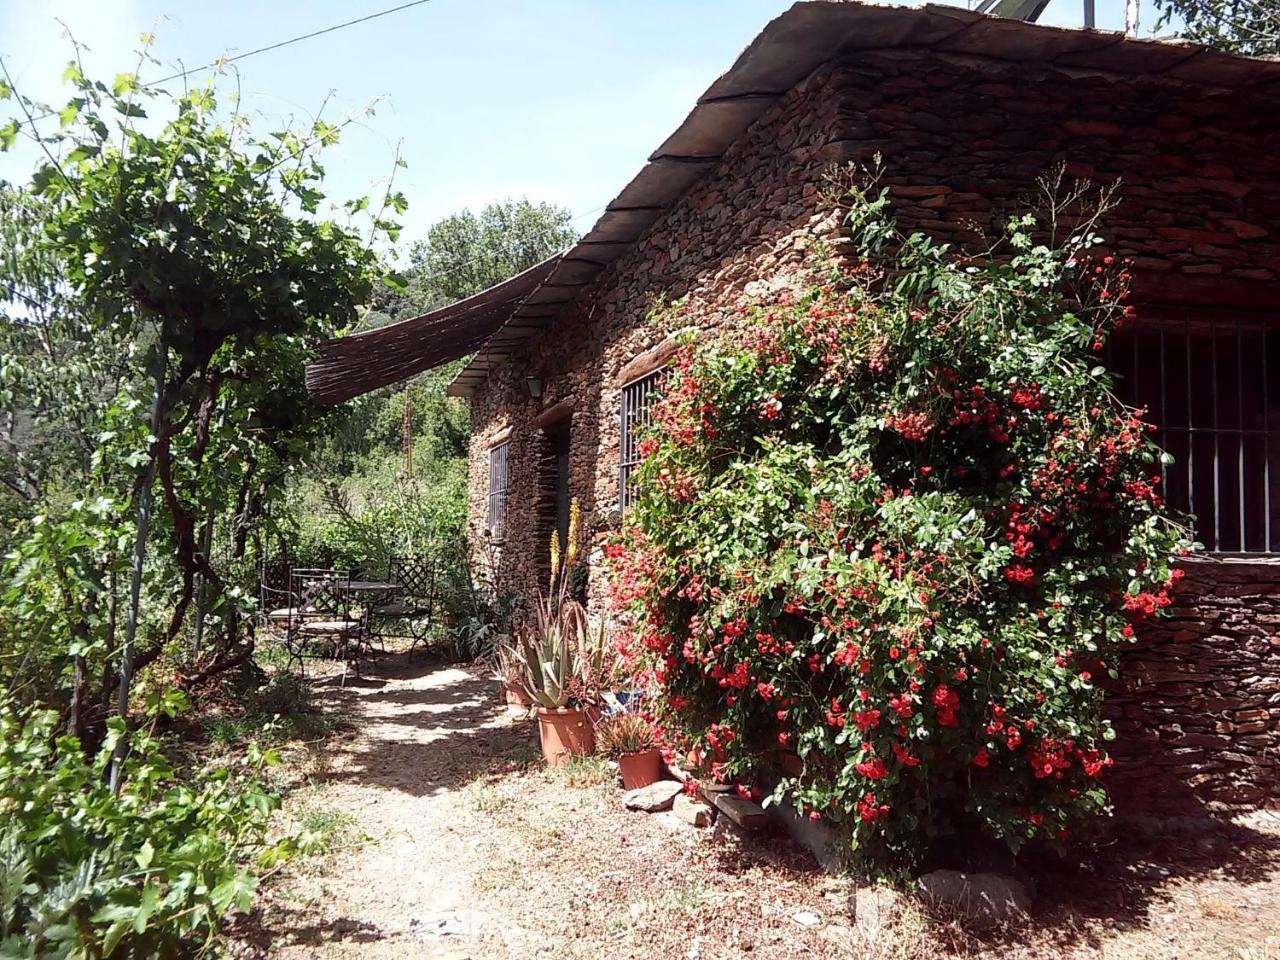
[(900, 530)]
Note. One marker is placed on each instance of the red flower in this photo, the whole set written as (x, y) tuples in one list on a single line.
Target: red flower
[(868, 810), (866, 719), (948, 703), (872, 769), (1019, 574)]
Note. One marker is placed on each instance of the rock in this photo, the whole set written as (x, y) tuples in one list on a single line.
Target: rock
[(693, 811), (747, 815), (978, 896), (678, 772), (873, 910), (654, 797), (806, 918)]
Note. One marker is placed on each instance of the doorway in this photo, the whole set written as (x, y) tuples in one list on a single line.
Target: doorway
[(553, 492)]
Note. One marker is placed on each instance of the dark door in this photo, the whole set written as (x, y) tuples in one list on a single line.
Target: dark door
[(560, 444)]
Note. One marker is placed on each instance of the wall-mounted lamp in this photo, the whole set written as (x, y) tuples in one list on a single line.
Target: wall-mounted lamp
[(534, 385)]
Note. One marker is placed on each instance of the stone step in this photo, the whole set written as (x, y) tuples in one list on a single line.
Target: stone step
[(745, 814)]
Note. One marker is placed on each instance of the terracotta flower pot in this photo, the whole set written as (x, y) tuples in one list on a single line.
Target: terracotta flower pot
[(640, 769), (564, 733)]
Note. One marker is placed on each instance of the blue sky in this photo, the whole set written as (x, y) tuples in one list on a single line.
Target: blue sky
[(557, 100)]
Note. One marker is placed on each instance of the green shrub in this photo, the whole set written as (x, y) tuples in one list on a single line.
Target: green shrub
[(149, 872), (902, 529)]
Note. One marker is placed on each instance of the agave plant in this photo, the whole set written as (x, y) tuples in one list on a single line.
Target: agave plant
[(599, 666), (506, 664), (561, 658), (550, 651)]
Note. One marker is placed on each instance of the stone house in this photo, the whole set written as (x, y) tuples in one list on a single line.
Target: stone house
[(966, 111)]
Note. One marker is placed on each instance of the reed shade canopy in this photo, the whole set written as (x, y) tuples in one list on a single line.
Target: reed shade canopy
[(350, 366)]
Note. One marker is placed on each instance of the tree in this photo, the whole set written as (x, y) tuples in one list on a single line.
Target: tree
[(57, 370), (465, 253), (200, 246), (1248, 27)]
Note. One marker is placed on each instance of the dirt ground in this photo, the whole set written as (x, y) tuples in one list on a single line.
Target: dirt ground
[(446, 838)]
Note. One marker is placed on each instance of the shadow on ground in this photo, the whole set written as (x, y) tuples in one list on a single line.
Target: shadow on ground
[(425, 727)]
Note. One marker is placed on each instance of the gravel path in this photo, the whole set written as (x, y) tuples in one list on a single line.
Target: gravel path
[(399, 882)]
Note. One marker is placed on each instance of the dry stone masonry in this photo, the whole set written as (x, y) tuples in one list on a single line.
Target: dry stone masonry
[(1198, 714)]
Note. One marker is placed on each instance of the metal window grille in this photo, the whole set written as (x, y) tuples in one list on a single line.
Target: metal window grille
[(498, 476), (637, 414), (1208, 383)]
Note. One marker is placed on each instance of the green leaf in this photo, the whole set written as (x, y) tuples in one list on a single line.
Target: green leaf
[(83, 151), (8, 134), (124, 83), (115, 933), (150, 900), (236, 891), (70, 113)]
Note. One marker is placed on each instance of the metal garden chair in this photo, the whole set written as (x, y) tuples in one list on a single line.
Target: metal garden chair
[(412, 601), (319, 618)]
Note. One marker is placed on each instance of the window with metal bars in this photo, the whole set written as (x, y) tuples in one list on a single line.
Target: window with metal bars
[(1209, 383), (637, 413), (498, 476)]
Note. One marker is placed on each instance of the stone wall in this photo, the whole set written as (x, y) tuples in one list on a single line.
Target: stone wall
[(1198, 710), (963, 141)]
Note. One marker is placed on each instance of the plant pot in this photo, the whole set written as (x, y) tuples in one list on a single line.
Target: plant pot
[(564, 733), (640, 769), (517, 700)]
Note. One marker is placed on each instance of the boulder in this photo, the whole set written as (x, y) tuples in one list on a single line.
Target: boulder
[(693, 811), (978, 896), (654, 797), (745, 814)]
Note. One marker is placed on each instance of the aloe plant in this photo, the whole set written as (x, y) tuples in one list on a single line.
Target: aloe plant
[(561, 658), (547, 668)]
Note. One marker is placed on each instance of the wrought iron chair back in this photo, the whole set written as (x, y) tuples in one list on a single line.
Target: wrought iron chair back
[(321, 619), (413, 601), (414, 577), (321, 592)]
